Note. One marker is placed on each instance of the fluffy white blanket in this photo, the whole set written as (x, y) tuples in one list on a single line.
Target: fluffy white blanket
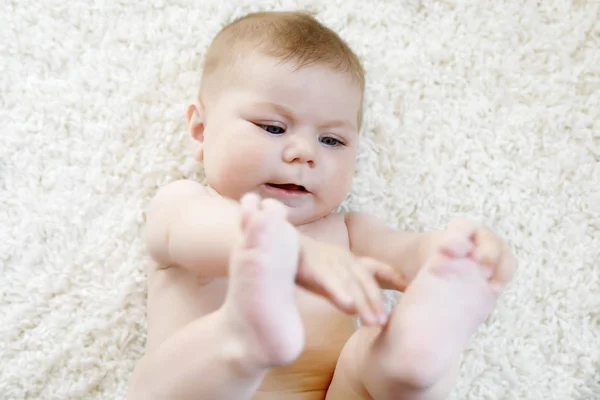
[(485, 109)]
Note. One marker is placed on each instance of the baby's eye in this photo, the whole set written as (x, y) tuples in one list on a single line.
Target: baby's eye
[(330, 141), (272, 129)]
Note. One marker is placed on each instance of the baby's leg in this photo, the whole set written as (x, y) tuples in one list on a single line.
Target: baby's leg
[(360, 375), (416, 355), (226, 354)]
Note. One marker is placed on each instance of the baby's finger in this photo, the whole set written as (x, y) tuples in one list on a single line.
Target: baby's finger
[(361, 298), (342, 295), (386, 276), (507, 266), (365, 276), (327, 287), (390, 280), (489, 246)]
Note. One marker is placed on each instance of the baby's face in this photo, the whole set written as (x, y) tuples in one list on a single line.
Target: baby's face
[(284, 134)]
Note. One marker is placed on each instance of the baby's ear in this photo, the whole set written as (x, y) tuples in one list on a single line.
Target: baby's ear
[(195, 121)]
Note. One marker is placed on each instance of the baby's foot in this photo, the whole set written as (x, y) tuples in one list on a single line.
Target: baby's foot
[(262, 270), (443, 307)]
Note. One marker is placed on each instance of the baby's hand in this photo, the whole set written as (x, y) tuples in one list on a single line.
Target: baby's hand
[(351, 283), (493, 254)]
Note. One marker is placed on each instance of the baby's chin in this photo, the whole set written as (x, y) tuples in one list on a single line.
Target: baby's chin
[(296, 216), (299, 217)]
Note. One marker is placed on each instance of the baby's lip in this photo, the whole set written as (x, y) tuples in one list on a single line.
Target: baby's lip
[(292, 187)]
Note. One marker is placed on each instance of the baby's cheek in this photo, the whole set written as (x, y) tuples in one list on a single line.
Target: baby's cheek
[(244, 168), (344, 173), (249, 158), (339, 182)]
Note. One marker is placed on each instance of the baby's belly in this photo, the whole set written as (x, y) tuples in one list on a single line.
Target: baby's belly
[(309, 377), (306, 395)]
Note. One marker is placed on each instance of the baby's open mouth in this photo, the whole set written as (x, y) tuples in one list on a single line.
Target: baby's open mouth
[(288, 186)]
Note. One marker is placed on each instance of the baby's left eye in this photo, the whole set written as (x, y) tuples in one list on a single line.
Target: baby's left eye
[(330, 141), (272, 129)]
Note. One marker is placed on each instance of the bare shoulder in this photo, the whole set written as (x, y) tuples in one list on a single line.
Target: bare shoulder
[(359, 223), (364, 229), (170, 198), (360, 219), (165, 204), (178, 190)]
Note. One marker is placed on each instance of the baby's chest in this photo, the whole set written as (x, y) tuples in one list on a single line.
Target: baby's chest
[(331, 229)]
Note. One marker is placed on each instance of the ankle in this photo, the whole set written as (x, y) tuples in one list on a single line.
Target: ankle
[(236, 349), (408, 365), (247, 352)]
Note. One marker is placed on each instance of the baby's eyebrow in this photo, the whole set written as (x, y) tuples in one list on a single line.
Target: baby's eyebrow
[(338, 123), (278, 108)]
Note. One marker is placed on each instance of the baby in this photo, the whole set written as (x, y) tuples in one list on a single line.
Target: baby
[(256, 280)]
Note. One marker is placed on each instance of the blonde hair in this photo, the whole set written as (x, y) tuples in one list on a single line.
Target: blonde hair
[(295, 37)]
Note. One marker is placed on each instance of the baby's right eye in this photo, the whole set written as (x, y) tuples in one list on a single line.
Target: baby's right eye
[(272, 129)]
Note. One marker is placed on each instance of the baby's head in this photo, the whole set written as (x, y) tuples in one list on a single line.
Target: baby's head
[(278, 113)]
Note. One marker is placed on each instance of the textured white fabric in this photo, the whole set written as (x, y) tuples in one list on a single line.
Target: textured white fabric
[(486, 109)]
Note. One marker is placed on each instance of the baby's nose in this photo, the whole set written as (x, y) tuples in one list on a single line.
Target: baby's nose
[(300, 150)]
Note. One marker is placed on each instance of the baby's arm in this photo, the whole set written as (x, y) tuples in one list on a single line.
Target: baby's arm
[(404, 251), (189, 228), (407, 252)]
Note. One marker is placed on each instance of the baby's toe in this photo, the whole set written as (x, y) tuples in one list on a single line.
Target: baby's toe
[(456, 245), (274, 209)]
